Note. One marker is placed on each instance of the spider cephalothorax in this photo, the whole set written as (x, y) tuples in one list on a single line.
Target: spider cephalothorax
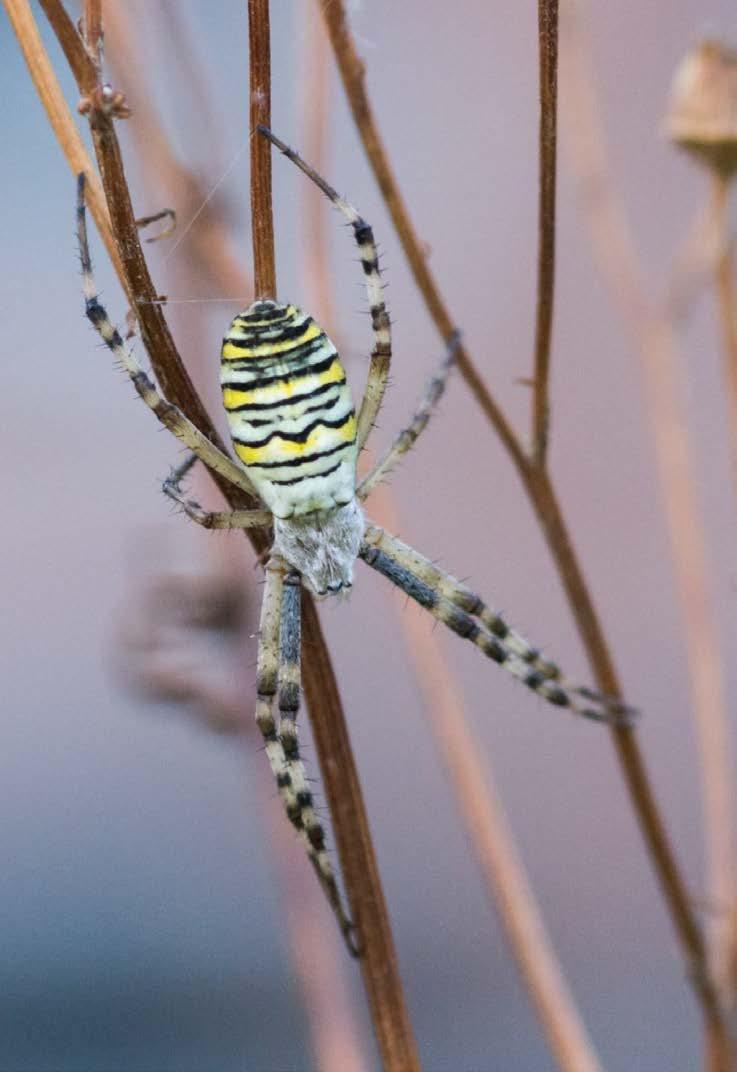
[(297, 438)]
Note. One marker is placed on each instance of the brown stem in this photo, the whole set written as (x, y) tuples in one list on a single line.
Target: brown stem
[(540, 492), (92, 23), (492, 842), (352, 73), (64, 127), (654, 337), (358, 862), (317, 959), (544, 501), (472, 782), (314, 121), (379, 965), (379, 961), (548, 46), (209, 243), (262, 220), (726, 299)]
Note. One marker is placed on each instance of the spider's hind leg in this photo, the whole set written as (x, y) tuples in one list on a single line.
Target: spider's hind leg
[(446, 585), (279, 670), (210, 519), (466, 614)]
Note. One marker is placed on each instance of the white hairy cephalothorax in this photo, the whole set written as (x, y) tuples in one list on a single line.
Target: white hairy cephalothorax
[(322, 547)]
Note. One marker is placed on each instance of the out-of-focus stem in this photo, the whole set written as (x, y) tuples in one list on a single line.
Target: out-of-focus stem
[(359, 869), (547, 13), (62, 123), (315, 100), (726, 300), (481, 811), (655, 339), (492, 842), (313, 946), (541, 493), (351, 69), (378, 959), (209, 242)]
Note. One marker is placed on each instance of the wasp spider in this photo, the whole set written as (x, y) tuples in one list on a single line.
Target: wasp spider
[(297, 438)]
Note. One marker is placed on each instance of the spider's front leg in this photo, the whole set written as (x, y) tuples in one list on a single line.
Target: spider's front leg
[(457, 607), (279, 670), (381, 354), (169, 415)]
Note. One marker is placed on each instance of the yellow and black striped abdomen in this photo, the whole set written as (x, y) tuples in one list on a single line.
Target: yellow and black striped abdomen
[(289, 409)]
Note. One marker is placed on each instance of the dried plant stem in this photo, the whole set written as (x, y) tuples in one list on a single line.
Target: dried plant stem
[(92, 23), (481, 812), (333, 1030), (315, 100), (694, 265), (209, 243), (541, 493), (655, 339), (548, 46), (352, 74), (491, 839), (62, 123), (727, 304), (262, 221), (378, 960), (313, 944)]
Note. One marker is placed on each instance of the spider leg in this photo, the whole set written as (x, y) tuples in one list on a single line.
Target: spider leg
[(378, 372), (169, 415), (279, 670), (211, 519), (432, 589), (409, 435), (464, 598)]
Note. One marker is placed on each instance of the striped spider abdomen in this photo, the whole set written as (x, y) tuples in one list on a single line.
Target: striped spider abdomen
[(290, 410)]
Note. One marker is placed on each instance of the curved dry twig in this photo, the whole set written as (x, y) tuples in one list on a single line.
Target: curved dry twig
[(542, 495)]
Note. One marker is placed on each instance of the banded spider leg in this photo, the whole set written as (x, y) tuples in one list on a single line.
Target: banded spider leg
[(279, 674), (279, 645)]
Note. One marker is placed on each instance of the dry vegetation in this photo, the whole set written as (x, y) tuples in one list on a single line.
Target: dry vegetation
[(710, 958)]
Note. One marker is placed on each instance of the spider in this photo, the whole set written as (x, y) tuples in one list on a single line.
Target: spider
[(297, 438)]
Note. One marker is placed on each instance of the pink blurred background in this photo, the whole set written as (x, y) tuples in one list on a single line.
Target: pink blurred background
[(139, 915)]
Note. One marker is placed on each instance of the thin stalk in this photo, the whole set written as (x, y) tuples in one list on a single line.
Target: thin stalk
[(379, 966), (472, 782), (262, 220), (541, 493), (379, 960), (547, 13), (315, 954), (352, 71), (492, 842), (209, 243), (315, 107), (62, 123), (92, 23), (654, 337), (727, 307)]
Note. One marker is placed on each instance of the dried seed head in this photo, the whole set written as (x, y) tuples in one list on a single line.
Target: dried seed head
[(703, 107)]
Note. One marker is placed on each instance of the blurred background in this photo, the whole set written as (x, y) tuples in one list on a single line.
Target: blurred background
[(142, 890)]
